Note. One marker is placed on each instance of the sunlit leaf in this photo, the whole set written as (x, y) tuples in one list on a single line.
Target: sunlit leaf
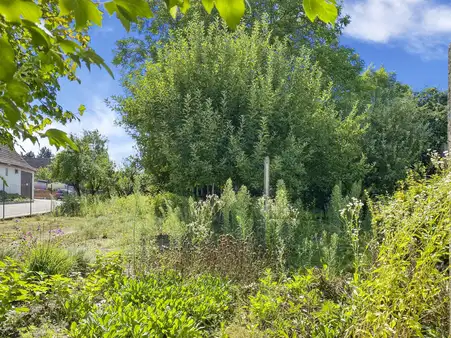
[(325, 10), (68, 46), (173, 11), (10, 110), (84, 11), (111, 9), (231, 11), (129, 10), (7, 63), (81, 109), (90, 57), (59, 138), (185, 6), (57, 59), (18, 91), (15, 10), (208, 5), (38, 36)]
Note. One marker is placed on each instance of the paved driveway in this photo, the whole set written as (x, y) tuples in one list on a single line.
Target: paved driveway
[(27, 209)]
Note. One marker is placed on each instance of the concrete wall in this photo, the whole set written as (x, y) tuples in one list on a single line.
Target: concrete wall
[(12, 179)]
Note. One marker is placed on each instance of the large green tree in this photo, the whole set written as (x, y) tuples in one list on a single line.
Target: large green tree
[(287, 19), (434, 104), (89, 168), (400, 128), (213, 103)]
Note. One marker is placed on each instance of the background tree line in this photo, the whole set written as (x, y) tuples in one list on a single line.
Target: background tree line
[(90, 169), (205, 104)]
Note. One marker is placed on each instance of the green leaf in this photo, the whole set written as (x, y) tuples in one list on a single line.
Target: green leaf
[(231, 11), (172, 3), (89, 56), (81, 109), (85, 11), (68, 46), (325, 10), (10, 110), (111, 8), (38, 36), (76, 59), (22, 309), (173, 11), (208, 5), (59, 138), (18, 91), (185, 6), (7, 64), (15, 10), (129, 10), (58, 60)]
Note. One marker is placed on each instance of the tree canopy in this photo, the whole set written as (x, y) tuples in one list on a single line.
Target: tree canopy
[(213, 103), (45, 40), (89, 168)]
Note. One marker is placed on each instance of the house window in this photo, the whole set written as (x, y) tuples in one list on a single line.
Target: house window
[(6, 171), (16, 171)]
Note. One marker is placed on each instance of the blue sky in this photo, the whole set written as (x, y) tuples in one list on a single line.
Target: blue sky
[(409, 37)]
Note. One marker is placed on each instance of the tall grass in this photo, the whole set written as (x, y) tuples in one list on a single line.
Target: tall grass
[(50, 259)]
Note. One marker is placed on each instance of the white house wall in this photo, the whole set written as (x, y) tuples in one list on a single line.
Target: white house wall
[(12, 180)]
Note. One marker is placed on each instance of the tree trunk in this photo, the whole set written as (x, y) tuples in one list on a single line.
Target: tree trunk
[(77, 189), (449, 155), (449, 100)]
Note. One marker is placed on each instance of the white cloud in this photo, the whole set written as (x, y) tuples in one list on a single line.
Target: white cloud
[(106, 29), (420, 26), (97, 116)]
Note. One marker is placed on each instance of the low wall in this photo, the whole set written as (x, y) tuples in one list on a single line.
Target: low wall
[(43, 194)]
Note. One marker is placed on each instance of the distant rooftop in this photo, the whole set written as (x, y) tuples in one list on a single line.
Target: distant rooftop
[(10, 157), (37, 162)]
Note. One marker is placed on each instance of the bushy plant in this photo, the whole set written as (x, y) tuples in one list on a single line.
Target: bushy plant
[(49, 259), (72, 206), (404, 293), (28, 299), (161, 304), (304, 305)]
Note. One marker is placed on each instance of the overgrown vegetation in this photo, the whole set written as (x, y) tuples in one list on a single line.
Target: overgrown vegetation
[(229, 266), (178, 242)]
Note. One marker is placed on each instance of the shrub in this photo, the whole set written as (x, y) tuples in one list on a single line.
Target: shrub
[(72, 206), (163, 201), (160, 304), (304, 305), (404, 293), (81, 260)]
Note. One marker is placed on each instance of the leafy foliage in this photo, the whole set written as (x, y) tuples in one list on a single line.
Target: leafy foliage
[(43, 173), (88, 168), (131, 178), (44, 152), (202, 115), (399, 130), (44, 41)]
